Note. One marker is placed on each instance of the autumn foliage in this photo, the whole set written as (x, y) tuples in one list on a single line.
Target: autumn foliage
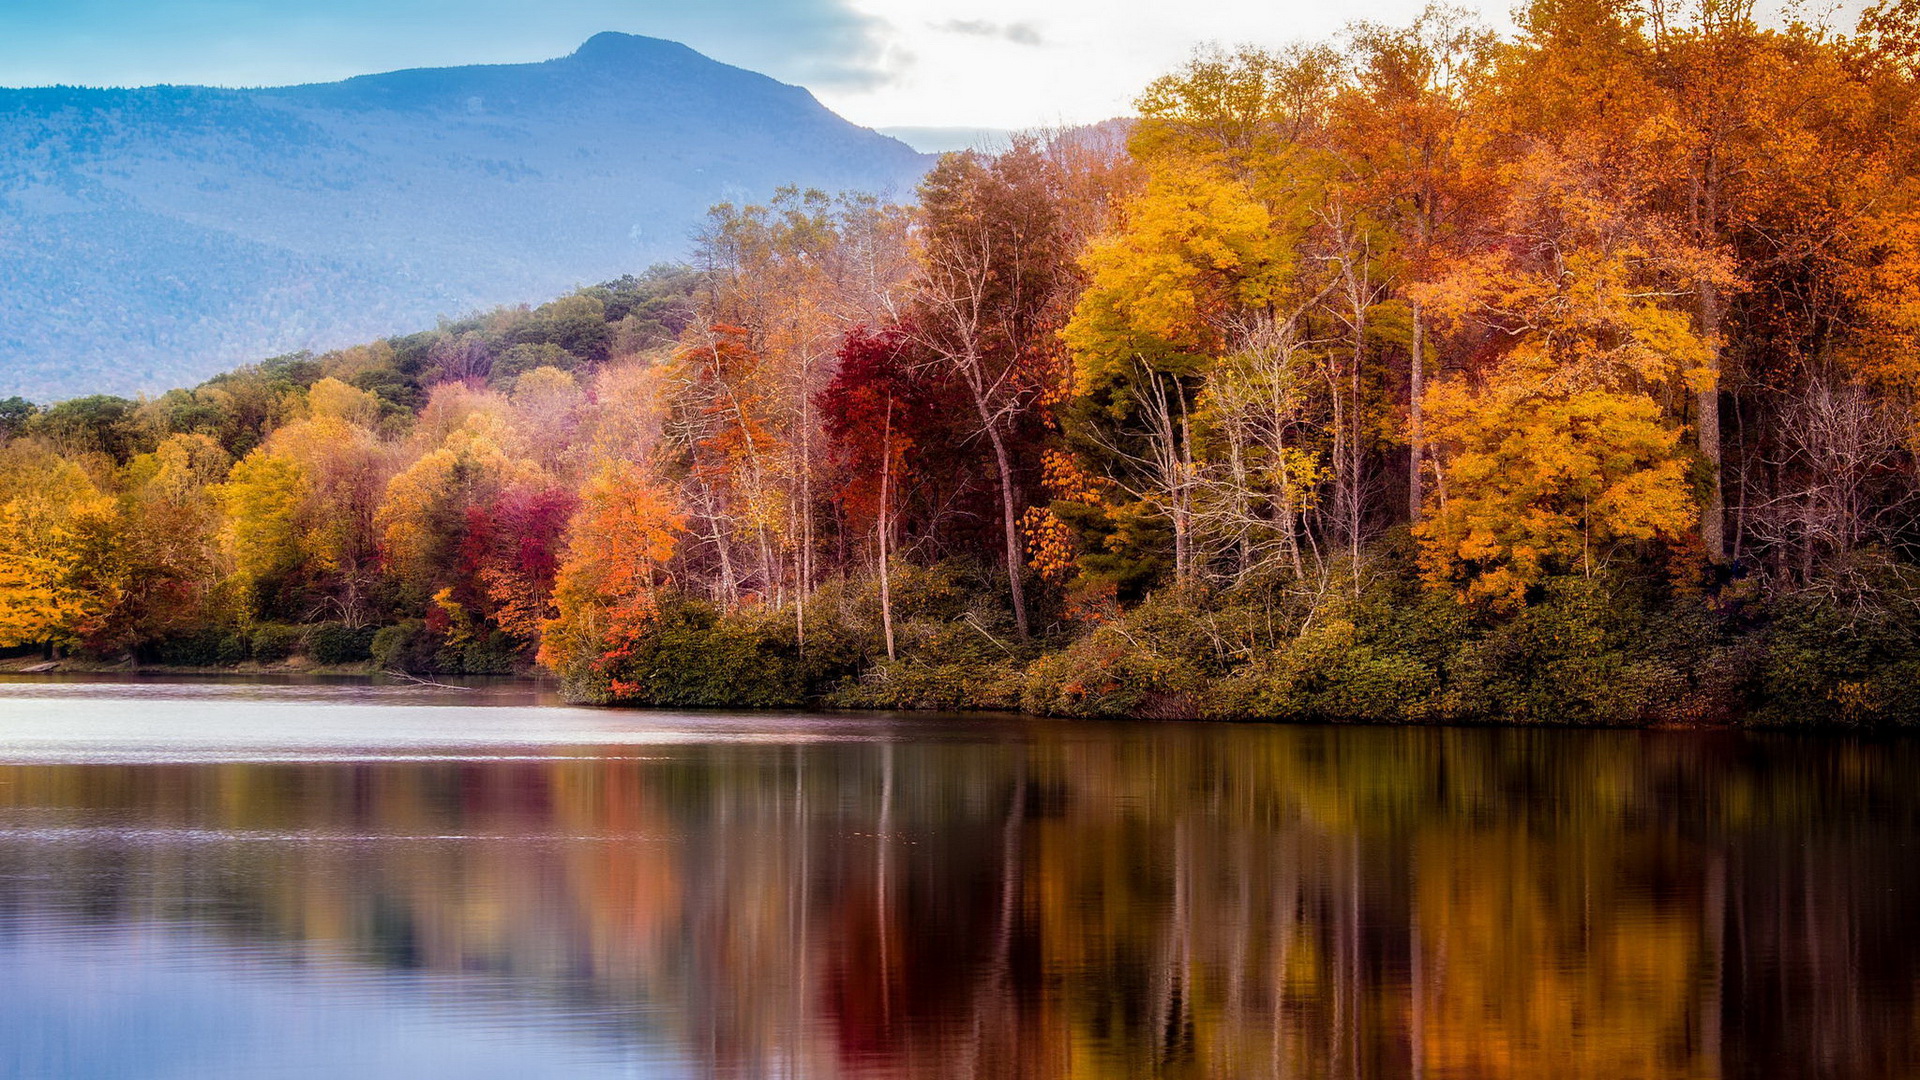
[(606, 592), (1333, 358)]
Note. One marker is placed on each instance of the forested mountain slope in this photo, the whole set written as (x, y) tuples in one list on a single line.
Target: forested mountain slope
[(152, 237)]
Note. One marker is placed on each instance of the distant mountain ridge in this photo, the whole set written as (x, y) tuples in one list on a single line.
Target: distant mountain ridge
[(152, 237)]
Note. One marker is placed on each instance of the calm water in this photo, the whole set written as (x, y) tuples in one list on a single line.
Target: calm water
[(206, 880)]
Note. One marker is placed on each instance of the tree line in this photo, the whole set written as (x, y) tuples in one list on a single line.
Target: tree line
[(1421, 374)]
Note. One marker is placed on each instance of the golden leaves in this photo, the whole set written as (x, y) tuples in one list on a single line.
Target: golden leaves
[(1050, 549), (1538, 484), (262, 498), (1195, 244), (57, 573)]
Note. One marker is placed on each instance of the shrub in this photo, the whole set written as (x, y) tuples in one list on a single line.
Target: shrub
[(1837, 661), (1154, 661), (984, 684), (272, 642), (208, 648), (494, 654), (406, 646), (697, 657), (337, 643), (1332, 673)]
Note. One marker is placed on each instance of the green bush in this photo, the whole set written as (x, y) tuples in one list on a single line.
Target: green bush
[(336, 643), (272, 642), (1332, 673), (954, 641), (495, 654), (1837, 660), (917, 683), (208, 648), (405, 646), (967, 662), (1101, 676), (696, 657)]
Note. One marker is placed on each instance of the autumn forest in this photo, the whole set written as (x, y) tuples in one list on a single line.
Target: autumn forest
[(1426, 374)]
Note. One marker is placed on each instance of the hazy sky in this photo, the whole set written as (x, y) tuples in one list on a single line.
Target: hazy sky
[(988, 63)]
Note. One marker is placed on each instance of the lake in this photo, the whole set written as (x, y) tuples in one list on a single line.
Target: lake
[(212, 879)]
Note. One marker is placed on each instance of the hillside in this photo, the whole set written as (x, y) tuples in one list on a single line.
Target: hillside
[(155, 236)]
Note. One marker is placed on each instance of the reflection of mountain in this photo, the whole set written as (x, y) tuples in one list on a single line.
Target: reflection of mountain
[(199, 1004), (155, 236), (1095, 901)]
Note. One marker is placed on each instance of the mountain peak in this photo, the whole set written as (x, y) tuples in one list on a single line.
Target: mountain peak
[(234, 224), (613, 47)]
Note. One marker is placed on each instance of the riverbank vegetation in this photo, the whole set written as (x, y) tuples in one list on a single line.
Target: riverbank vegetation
[(1423, 375)]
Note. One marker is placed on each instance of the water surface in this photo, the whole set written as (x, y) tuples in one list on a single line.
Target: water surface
[(210, 879)]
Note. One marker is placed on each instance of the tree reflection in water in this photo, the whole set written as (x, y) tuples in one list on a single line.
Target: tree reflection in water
[(1069, 900)]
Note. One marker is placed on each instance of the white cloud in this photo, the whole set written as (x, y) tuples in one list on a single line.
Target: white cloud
[(1020, 33), (1083, 60), (924, 63)]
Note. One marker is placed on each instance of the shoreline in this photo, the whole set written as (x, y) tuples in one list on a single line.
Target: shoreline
[(72, 666), (129, 670)]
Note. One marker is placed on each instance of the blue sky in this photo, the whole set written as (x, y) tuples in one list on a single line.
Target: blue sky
[(989, 63), (253, 42)]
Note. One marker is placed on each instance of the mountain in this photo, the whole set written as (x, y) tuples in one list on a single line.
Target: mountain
[(152, 237)]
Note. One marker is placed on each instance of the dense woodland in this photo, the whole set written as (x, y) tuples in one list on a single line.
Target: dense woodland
[(1422, 375)]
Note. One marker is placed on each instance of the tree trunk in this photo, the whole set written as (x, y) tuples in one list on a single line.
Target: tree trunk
[(1707, 401), (1243, 544), (1707, 405), (1182, 462), (886, 524), (729, 597), (1354, 494), (1010, 519), (803, 561), (800, 601), (770, 575), (1740, 455), (1416, 422), (1337, 402)]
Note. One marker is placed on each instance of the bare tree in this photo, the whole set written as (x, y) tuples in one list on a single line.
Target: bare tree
[(1255, 494), (988, 300), (1843, 478)]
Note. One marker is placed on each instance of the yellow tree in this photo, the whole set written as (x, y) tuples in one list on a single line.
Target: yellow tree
[(1203, 282), (347, 466), (1196, 250), (34, 605), (1561, 454), (262, 498), (60, 565), (1206, 380), (1540, 484)]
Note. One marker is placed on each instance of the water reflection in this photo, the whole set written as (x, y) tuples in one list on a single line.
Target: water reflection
[(1013, 900)]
